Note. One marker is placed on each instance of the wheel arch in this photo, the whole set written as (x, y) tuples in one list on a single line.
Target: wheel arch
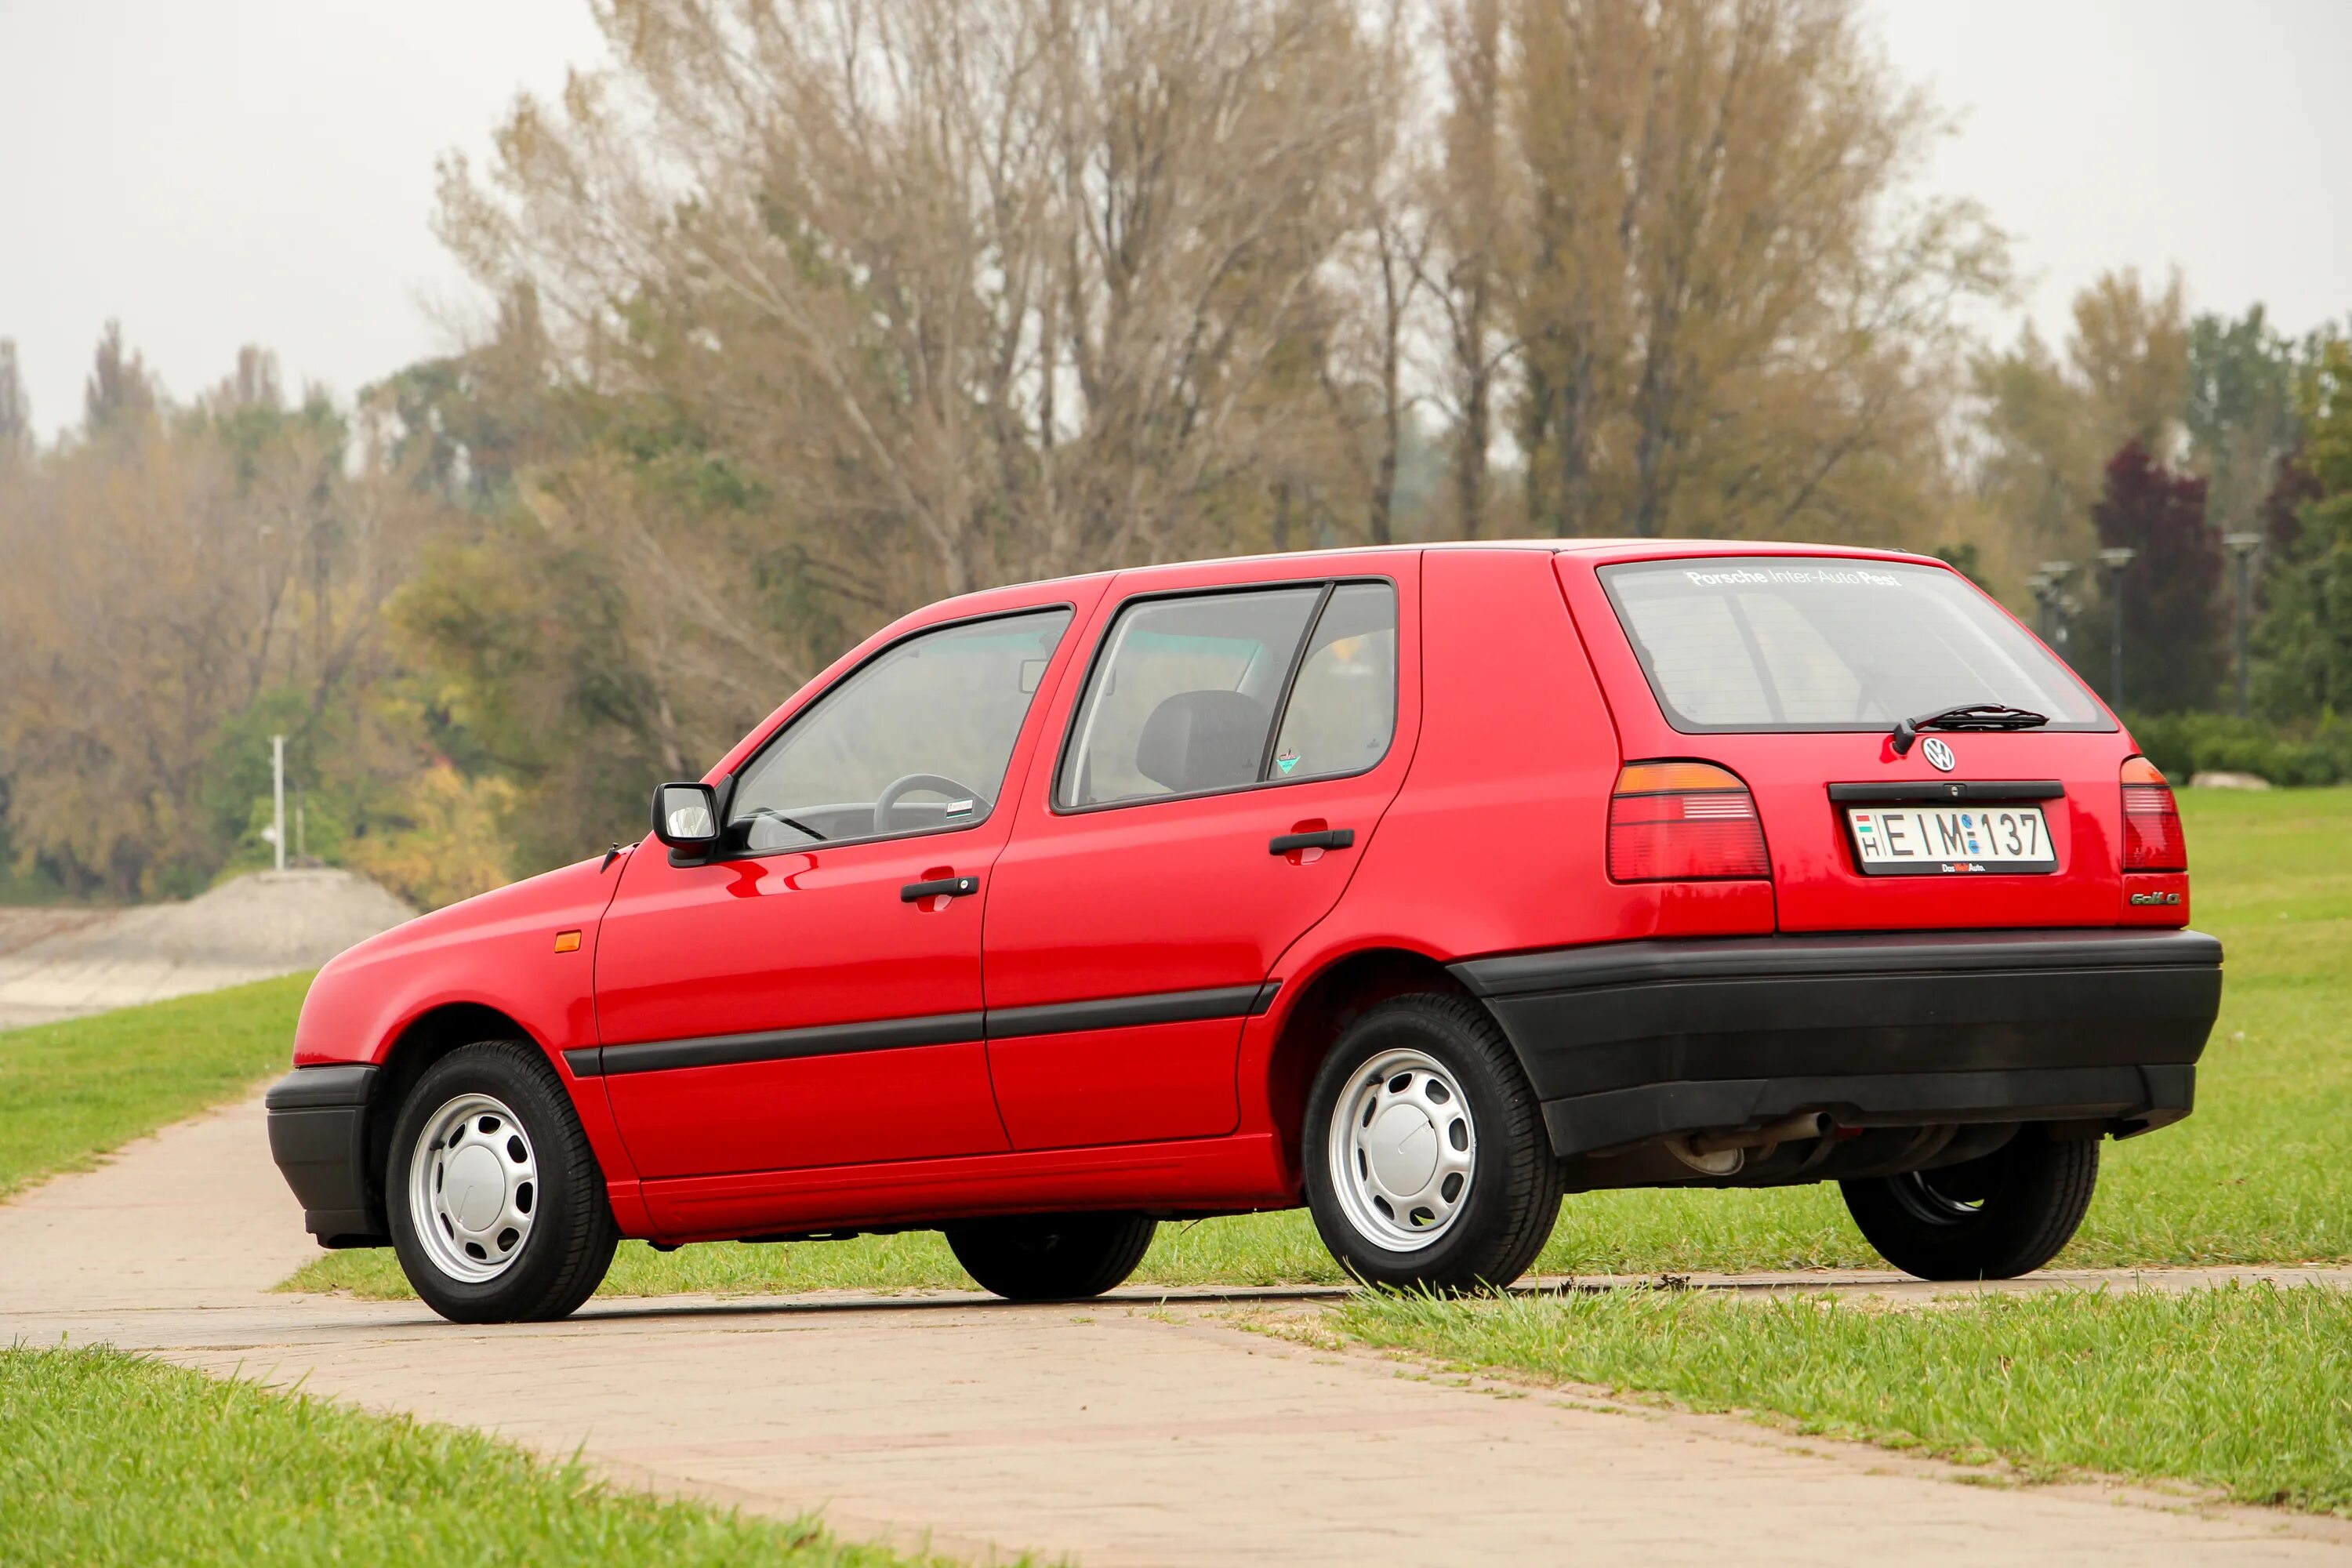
[(421, 1042), (1333, 995)]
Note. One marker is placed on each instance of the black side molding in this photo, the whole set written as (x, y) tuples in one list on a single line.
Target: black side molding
[(1127, 1011), (783, 1045), (933, 1029)]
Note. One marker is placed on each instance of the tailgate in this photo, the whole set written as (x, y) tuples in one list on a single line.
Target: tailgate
[(1792, 668), (1823, 882)]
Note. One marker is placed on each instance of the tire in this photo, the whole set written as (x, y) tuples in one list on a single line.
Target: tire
[(1052, 1256), (1428, 1080), (1995, 1218), (506, 1152)]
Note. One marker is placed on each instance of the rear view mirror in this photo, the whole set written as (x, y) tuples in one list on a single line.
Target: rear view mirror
[(686, 815), (1033, 675)]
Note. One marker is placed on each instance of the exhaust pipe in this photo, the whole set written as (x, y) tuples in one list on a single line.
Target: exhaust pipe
[(1726, 1153), (1787, 1130)]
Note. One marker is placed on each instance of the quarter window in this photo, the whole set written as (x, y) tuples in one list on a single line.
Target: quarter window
[(1221, 691), (918, 738), (1342, 709)]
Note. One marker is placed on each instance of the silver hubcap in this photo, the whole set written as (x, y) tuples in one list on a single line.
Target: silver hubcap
[(1403, 1151), (473, 1188)]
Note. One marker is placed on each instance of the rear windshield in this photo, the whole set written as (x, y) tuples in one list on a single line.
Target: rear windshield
[(1764, 643)]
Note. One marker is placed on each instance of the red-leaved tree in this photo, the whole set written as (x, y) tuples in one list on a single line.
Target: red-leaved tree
[(2175, 654)]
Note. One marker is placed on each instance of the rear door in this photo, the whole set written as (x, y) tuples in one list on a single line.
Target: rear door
[(1221, 769), (1792, 670)]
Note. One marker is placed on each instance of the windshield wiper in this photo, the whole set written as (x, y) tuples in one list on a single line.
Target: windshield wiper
[(1968, 715)]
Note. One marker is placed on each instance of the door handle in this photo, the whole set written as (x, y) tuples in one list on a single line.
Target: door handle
[(942, 887), (1329, 839)]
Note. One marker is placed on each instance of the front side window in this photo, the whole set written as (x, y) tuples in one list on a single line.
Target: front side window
[(1220, 691), (1797, 643), (918, 738)]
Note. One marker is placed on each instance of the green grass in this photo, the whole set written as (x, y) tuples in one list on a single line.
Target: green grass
[(2241, 1388), (70, 1092), (224, 1471), (2255, 1176)]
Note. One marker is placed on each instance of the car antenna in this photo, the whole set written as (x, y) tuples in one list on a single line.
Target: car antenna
[(610, 855)]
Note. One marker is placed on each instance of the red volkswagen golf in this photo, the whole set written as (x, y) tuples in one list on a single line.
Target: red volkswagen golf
[(1417, 886)]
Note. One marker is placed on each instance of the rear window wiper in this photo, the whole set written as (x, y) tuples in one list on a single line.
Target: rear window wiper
[(1968, 715)]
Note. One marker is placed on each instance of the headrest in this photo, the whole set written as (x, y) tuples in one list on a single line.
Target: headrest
[(1202, 740)]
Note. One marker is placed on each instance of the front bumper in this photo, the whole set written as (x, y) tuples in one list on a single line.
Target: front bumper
[(1629, 1040), (319, 1136)]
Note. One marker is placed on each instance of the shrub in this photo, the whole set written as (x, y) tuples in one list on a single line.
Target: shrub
[(2186, 744)]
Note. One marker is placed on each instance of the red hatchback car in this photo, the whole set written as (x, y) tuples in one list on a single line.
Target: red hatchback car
[(1420, 886)]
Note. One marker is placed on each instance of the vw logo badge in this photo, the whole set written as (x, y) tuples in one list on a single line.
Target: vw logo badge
[(1939, 755)]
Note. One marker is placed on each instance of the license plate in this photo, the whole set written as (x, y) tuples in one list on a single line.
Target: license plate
[(1937, 840)]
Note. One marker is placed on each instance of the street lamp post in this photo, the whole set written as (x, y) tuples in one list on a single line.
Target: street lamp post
[(2242, 547), (2056, 573), (2115, 559)]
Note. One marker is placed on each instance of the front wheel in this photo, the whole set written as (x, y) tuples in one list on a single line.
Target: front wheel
[(498, 1209), (1995, 1218), (1427, 1163), (1052, 1257)]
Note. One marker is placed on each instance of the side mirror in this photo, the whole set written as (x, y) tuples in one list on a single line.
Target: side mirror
[(686, 816)]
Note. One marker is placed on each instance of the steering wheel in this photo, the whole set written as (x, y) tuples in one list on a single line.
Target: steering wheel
[(937, 783)]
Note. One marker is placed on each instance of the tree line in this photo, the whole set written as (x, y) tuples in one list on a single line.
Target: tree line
[(803, 312)]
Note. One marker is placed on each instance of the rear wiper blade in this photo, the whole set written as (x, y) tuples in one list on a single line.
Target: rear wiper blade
[(1968, 715)]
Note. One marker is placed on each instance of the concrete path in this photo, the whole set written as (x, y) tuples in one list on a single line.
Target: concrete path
[(1130, 1431)]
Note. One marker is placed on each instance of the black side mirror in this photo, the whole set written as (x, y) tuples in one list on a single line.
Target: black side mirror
[(686, 816)]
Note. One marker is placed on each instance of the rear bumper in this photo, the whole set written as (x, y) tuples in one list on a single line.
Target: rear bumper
[(1629, 1040), (318, 1134)]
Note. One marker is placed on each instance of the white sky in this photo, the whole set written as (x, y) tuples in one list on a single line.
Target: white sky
[(261, 171)]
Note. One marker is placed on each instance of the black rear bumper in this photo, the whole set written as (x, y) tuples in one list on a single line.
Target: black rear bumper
[(319, 1136), (1629, 1040)]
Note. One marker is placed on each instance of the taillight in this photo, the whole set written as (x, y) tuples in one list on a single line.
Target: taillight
[(2152, 837), (1678, 822)]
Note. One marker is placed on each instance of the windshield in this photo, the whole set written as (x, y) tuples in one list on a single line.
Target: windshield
[(1778, 642)]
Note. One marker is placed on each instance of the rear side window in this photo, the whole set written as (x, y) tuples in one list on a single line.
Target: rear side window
[(1787, 643), (1221, 691)]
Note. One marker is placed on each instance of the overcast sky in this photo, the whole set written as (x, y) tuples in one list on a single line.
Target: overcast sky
[(261, 171)]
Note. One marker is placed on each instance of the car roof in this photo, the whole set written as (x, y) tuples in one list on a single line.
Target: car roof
[(1600, 551)]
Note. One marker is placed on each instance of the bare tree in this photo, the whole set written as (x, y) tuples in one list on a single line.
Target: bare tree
[(1726, 282)]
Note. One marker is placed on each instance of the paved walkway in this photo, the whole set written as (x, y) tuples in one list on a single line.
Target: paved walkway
[(1126, 1432)]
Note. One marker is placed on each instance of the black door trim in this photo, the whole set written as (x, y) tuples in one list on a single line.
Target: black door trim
[(934, 1029)]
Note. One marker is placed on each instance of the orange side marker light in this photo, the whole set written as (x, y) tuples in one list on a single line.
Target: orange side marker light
[(567, 942)]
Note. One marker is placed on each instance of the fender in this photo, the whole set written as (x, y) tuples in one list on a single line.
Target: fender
[(498, 950)]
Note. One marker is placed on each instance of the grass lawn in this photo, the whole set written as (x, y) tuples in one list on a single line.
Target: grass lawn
[(229, 1472), (70, 1092), (2240, 1388), (2254, 1177)]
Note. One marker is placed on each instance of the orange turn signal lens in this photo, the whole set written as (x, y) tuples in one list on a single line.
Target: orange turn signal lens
[(1664, 778), (1684, 822), (567, 942)]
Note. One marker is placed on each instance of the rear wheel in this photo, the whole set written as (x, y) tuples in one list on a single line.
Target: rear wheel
[(1052, 1257), (498, 1209), (1427, 1163), (1995, 1218)]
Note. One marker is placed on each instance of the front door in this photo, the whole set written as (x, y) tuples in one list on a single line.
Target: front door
[(803, 999), (1225, 764)]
